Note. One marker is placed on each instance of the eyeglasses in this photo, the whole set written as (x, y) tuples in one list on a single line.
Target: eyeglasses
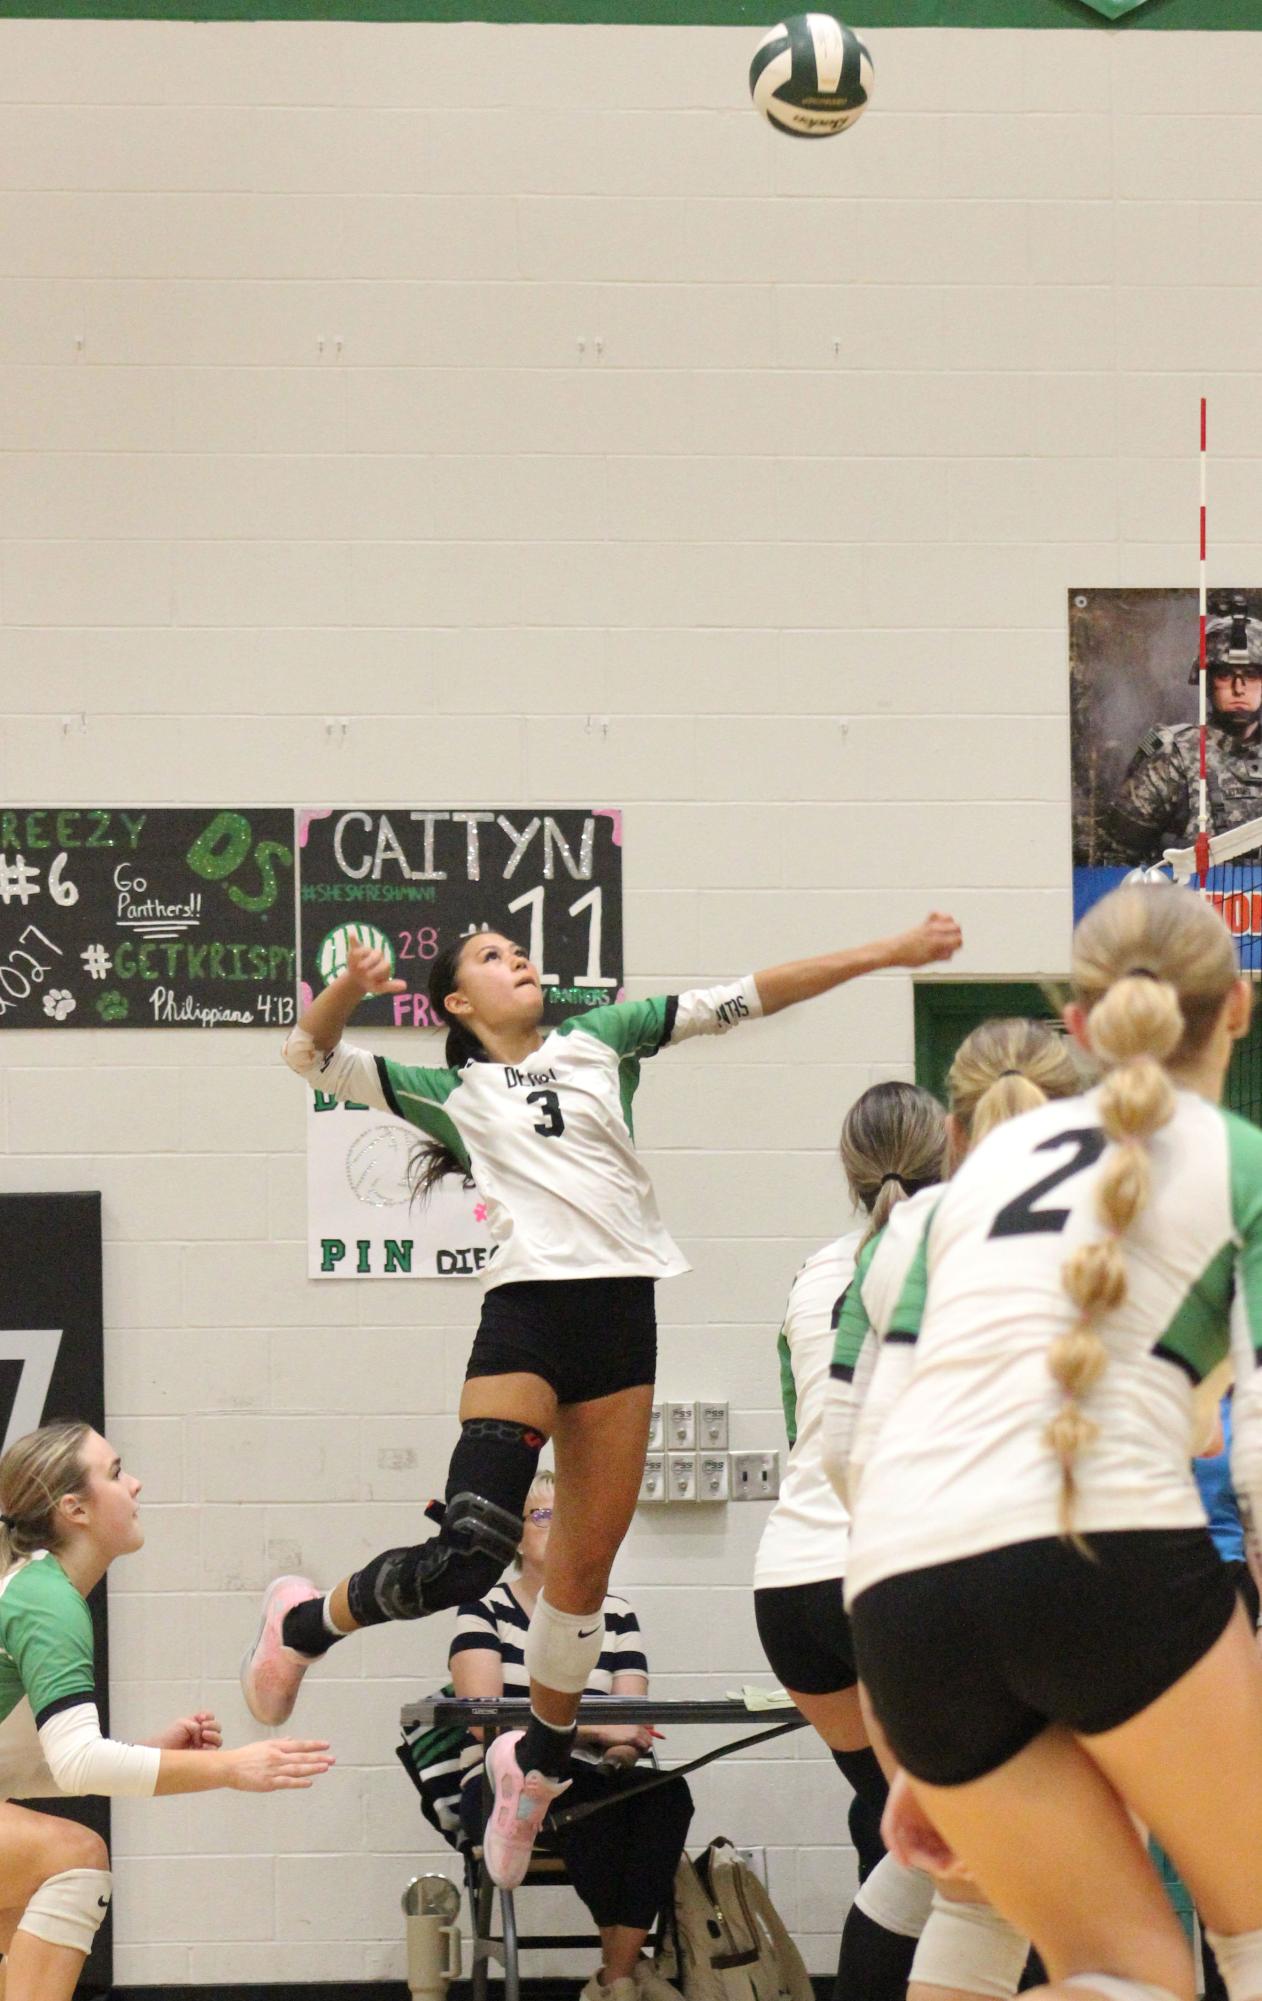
[(539, 1515)]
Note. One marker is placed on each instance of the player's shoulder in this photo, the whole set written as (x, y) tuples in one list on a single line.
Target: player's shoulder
[(39, 1584), (829, 1261)]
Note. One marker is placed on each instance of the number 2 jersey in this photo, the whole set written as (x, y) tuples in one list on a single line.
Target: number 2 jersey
[(960, 1464), (550, 1143)]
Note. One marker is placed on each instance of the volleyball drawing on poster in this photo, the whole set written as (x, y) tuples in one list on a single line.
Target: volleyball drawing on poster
[(362, 1218), (1134, 662)]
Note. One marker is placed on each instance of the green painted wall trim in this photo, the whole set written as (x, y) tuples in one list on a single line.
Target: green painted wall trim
[(1176, 14)]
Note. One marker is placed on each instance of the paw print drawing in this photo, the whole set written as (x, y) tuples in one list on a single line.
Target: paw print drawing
[(112, 1006), (58, 1003)]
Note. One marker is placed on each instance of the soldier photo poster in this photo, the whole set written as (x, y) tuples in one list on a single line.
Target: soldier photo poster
[(1135, 740)]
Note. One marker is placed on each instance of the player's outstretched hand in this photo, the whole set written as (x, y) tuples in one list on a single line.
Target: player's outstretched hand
[(368, 967), (276, 1764), (939, 937)]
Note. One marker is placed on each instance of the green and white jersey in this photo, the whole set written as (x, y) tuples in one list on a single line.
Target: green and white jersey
[(50, 1734), (865, 1319), (804, 1541), (550, 1145), (960, 1464), (46, 1665)]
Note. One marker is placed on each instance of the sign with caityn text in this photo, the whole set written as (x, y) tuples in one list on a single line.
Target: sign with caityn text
[(414, 880)]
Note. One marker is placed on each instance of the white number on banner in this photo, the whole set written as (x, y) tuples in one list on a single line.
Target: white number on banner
[(36, 1348), (592, 901), (533, 900)]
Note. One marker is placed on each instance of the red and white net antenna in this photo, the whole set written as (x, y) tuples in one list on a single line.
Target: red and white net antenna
[(1202, 801)]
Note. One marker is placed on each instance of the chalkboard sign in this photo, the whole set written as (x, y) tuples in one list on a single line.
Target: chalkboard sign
[(147, 917), (413, 881)]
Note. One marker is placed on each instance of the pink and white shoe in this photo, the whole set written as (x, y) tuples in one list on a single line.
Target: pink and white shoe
[(271, 1672), (519, 1802)]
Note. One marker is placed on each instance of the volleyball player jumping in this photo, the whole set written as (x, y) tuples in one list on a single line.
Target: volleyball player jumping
[(566, 1345), (1026, 1515)]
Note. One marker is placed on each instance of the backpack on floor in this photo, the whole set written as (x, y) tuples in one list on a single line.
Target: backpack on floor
[(726, 1941)]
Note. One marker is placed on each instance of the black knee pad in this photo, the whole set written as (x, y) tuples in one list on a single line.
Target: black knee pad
[(488, 1480)]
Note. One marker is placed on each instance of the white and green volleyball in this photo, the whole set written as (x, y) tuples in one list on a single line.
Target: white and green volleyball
[(811, 76), (333, 952)]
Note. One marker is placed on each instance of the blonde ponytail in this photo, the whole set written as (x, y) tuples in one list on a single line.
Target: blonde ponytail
[(35, 1473), (1005, 1067), (893, 1141), (1152, 968)]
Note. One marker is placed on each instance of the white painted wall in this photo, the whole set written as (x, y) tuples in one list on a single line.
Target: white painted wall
[(514, 394)]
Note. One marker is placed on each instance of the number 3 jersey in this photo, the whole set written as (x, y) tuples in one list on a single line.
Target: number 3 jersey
[(960, 1464), (549, 1143)]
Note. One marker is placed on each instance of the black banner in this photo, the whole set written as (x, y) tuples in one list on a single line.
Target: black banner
[(413, 881), (52, 1365), (147, 918)]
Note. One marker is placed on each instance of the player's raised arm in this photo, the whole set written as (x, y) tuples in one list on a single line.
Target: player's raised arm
[(938, 938)]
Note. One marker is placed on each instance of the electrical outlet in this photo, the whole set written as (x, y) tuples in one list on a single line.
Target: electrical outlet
[(681, 1427), (681, 1476), (712, 1427), (712, 1477), (657, 1427), (755, 1476), (653, 1479)]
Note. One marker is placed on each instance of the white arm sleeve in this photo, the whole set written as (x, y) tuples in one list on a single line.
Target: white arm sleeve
[(344, 1071), (82, 1761), (713, 1010)]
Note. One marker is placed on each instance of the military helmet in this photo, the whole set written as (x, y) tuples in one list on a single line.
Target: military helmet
[(1232, 639)]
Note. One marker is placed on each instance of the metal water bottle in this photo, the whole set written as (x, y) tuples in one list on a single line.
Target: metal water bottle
[(431, 1909)]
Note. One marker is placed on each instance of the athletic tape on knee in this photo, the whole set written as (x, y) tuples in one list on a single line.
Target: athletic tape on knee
[(896, 1898), (1119, 1990), (69, 1909), (970, 1946), (1239, 1956), (562, 1648)]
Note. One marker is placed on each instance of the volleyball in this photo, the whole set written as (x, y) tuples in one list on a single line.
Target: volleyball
[(811, 76), (334, 950)]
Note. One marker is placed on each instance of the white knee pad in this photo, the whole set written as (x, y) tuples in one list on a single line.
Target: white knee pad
[(970, 1946), (1239, 1956), (1119, 1990), (562, 1648), (68, 1909), (896, 1898)]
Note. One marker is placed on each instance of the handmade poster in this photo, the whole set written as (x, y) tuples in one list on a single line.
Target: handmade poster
[(1134, 661), (147, 917), (52, 1365), (363, 1220), (413, 880)]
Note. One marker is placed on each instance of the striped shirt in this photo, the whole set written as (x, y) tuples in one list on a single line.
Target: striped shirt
[(498, 1624)]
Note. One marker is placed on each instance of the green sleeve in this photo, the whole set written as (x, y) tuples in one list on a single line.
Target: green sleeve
[(1244, 1143), (852, 1323), (788, 1388), (910, 1308), (630, 1028), (46, 1629), (419, 1097)]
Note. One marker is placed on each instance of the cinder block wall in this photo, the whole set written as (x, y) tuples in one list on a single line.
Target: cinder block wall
[(513, 394)]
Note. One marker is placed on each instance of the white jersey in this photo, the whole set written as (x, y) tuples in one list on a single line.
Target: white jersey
[(961, 1464), (853, 1414), (550, 1145), (804, 1541)]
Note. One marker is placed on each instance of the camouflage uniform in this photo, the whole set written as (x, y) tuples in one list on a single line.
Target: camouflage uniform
[(1157, 806)]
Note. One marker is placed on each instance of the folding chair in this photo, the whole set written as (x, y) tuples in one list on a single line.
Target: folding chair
[(544, 1869)]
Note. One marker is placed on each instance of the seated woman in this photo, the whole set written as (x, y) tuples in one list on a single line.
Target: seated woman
[(621, 1861)]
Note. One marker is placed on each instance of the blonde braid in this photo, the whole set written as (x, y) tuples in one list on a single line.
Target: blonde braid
[(1152, 967)]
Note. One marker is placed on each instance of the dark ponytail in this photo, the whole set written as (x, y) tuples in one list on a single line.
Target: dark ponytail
[(432, 1161)]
